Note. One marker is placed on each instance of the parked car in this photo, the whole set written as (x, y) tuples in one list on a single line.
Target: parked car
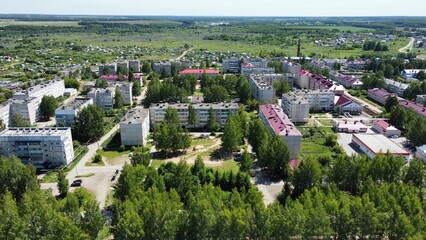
[(76, 183)]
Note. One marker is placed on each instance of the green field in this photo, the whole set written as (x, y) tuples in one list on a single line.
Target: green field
[(10, 22)]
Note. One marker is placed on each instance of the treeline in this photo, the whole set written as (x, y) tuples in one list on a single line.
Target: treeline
[(414, 89), (413, 125), (356, 198), (27, 212), (374, 46), (221, 88)]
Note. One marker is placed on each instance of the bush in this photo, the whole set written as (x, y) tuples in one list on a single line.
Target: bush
[(122, 148)]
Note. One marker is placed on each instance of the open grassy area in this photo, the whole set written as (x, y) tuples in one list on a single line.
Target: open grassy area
[(313, 141), (11, 22)]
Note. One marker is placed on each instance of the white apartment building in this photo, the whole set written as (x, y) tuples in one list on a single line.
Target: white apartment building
[(42, 147), (27, 108), (4, 113), (231, 65), (112, 68), (67, 113), (319, 100), (54, 88), (221, 112), (296, 107), (395, 87), (103, 98), (124, 65), (134, 65), (247, 70), (262, 89), (126, 92), (134, 127)]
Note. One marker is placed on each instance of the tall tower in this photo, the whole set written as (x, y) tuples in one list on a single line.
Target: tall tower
[(298, 48)]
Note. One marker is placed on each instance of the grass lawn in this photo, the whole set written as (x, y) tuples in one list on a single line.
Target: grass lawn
[(229, 165), (12, 22), (326, 123), (313, 141), (203, 142)]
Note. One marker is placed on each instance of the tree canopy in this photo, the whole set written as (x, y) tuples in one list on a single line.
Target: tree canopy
[(89, 124)]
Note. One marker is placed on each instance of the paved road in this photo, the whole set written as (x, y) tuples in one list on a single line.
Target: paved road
[(409, 46)]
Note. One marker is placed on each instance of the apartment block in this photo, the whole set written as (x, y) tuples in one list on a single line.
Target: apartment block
[(123, 65), (296, 107), (395, 87), (379, 95), (126, 91), (248, 69), (103, 98), (347, 81), (221, 113), (319, 100), (4, 113), (134, 65), (27, 108), (231, 66), (262, 89), (278, 123), (41, 147), (67, 113), (112, 69), (54, 88), (134, 127)]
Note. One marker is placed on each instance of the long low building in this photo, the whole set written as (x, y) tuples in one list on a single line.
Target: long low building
[(379, 95), (134, 127), (67, 113), (373, 144), (278, 122), (349, 126), (221, 111), (385, 128), (41, 147), (199, 72)]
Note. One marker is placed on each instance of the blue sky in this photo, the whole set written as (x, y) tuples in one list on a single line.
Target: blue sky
[(219, 7)]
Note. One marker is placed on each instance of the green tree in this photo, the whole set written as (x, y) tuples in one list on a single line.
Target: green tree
[(19, 121), (212, 124), (421, 75), (257, 134), (416, 173), (391, 101), (169, 136), (136, 89), (63, 184), (398, 117), (246, 161), (215, 93), (281, 86), (118, 99), (275, 155), (141, 155), (243, 89), (146, 67), (48, 106), (89, 124), (101, 83), (192, 116), (72, 83), (130, 225), (232, 134), (306, 176), (12, 226)]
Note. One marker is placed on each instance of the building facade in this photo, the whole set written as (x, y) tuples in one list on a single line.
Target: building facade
[(231, 66), (296, 107), (346, 105), (319, 100), (67, 113), (221, 112), (278, 123), (379, 95), (134, 127), (262, 89), (199, 72), (135, 65), (27, 108), (103, 98), (42, 147), (385, 128), (395, 87)]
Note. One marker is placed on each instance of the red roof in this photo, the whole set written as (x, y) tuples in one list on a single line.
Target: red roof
[(199, 71), (414, 106), (278, 120), (382, 124), (343, 100)]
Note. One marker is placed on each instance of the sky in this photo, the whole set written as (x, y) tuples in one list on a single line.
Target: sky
[(218, 7)]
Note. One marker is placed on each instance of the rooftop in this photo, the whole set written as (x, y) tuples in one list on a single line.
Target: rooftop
[(199, 71), (75, 104), (414, 106), (39, 87), (382, 124), (195, 105), (379, 143), (379, 92), (278, 120), (134, 116), (55, 131), (350, 125)]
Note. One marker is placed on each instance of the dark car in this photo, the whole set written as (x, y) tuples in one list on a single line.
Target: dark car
[(76, 183)]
